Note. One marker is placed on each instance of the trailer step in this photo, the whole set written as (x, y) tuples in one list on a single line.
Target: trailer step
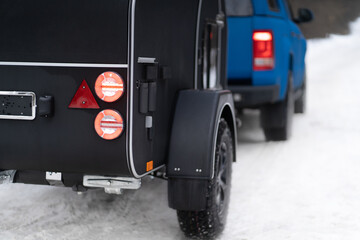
[(111, 185)]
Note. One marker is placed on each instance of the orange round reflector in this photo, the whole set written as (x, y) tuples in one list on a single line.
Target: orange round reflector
[(109, 86), (109, 124)]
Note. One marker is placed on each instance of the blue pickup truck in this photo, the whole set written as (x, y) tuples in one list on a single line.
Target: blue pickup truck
[(266, 61)]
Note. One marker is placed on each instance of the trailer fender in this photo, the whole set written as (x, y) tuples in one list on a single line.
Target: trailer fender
[(192, 144)]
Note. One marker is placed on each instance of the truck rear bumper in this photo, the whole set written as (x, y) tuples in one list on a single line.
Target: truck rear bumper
[(253, 96)]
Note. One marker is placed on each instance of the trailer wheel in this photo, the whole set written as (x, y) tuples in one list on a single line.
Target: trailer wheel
[(276, 118), (207, 224)]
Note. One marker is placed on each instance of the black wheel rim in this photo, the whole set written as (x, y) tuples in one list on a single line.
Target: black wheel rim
[(221, 181)]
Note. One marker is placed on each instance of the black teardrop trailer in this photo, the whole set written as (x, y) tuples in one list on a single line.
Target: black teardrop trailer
[(99, 94)]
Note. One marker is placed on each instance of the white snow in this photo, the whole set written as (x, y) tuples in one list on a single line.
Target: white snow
[(306, 188)]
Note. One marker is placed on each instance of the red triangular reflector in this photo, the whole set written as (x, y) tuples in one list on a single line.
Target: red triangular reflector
[(84, 98)]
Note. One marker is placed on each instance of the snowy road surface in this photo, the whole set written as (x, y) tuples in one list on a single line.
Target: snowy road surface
[(306, 188)]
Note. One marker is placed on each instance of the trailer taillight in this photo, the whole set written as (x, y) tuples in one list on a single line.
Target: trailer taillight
[(109, 86), (109, 124), (263, 50)]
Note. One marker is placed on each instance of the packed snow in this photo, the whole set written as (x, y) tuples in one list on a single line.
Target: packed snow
[(305, 188)]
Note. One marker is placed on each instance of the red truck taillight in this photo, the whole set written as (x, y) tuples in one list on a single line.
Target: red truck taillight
[(263, 50)]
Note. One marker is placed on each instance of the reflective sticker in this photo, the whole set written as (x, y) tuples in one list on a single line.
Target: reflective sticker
[(149, 166), (84, 98)]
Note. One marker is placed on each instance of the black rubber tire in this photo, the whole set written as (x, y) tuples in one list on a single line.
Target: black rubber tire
[(209, 223), (300, 103), (276, 118)]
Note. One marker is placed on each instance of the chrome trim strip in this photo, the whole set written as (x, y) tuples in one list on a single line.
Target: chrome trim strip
[(75, 65), (33, 105), (129, 147), (196, 46), (130, 87)]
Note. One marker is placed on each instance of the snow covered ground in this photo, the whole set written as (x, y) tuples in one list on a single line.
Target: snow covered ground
[(306, 188)]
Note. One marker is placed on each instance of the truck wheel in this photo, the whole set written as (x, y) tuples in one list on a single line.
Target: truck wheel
[(276, 118), (207, 224), (300, 103)]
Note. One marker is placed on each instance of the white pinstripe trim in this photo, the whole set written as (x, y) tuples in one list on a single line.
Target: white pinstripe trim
[(49, 64)]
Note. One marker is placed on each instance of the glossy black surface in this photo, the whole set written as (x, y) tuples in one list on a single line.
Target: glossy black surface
[(88, 31), (67, 141)]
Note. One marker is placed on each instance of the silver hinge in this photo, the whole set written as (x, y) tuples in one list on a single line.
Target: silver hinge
[(111, 185), (7, 176)]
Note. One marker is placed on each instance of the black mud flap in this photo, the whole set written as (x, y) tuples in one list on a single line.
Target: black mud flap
[(182, 192)]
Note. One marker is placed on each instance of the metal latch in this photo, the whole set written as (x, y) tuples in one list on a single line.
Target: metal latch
[(111, 185)]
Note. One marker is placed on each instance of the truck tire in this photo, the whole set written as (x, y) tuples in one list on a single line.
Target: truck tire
[(300, 103), (207, 224), (276, 118)]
